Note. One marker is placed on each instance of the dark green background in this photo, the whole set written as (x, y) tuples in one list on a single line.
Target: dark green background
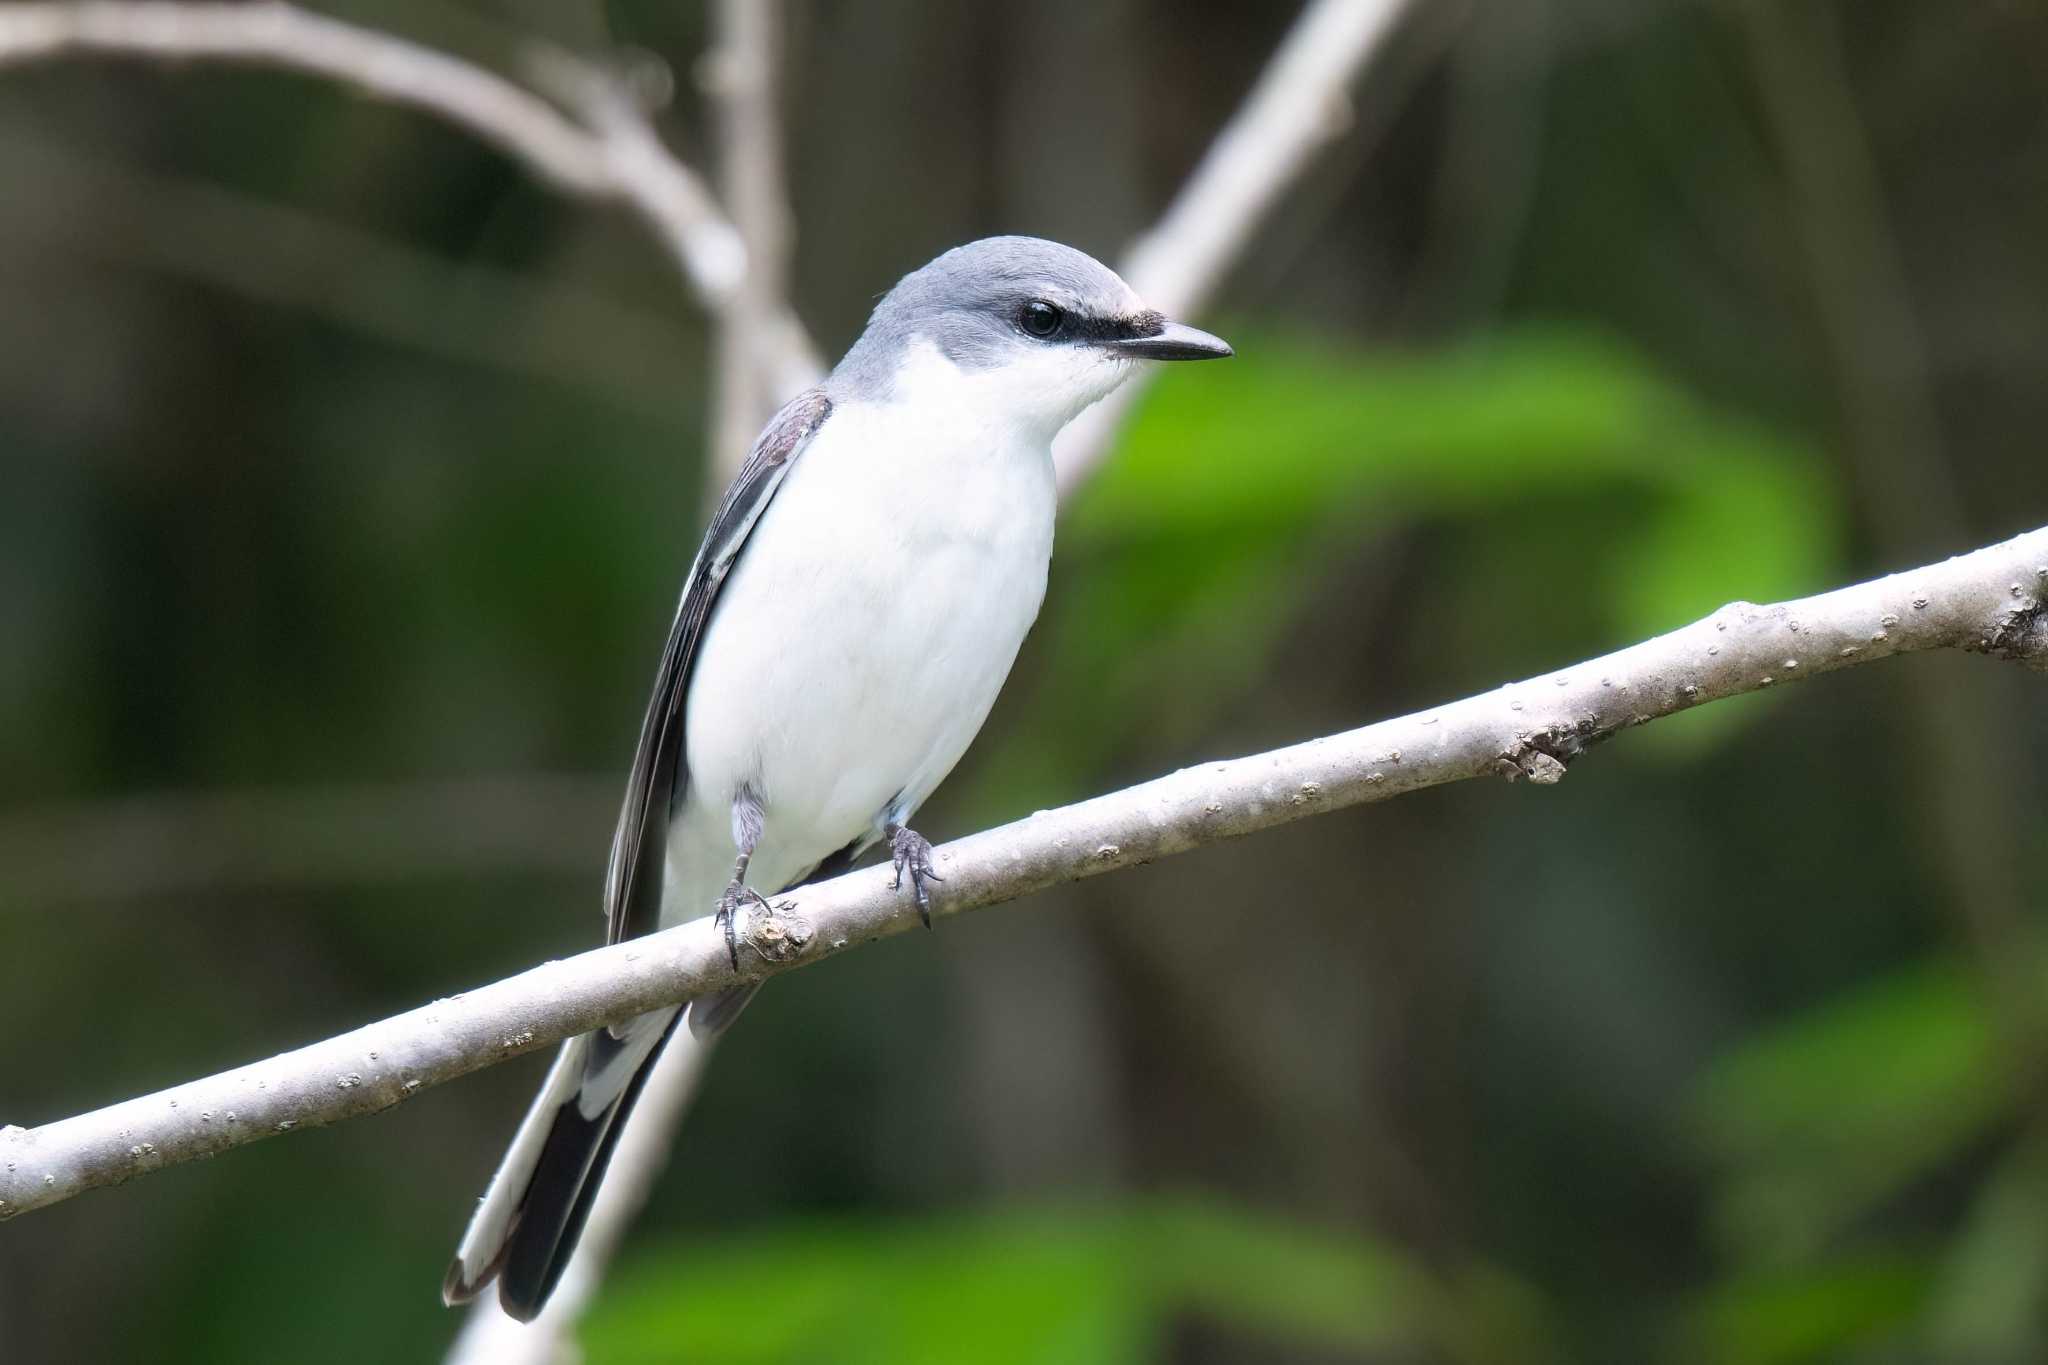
[(346, 478)]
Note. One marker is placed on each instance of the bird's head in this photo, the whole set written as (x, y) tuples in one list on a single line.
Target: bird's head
[(1020, 329)]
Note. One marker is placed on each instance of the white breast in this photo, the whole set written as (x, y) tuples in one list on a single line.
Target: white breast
[(864, 633)]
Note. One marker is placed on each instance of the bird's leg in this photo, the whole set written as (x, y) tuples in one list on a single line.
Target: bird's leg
[(727, 915), (911, 852), (746, 832)]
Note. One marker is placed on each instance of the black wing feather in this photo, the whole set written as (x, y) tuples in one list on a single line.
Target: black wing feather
[(660, 778)]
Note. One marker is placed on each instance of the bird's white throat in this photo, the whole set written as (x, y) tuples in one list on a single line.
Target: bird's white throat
[(1029, 397)]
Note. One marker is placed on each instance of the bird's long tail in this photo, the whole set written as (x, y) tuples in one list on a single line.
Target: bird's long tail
[(523, 1232)]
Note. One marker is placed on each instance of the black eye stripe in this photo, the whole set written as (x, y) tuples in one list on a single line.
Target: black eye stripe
[(1125, 328)]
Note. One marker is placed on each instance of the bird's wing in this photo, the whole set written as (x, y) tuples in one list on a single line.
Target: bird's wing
[(632, 891)]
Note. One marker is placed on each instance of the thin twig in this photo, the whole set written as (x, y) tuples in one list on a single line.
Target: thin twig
[(617, 160), (1295, 108), (1298, 106), (492, 109), (1993, 601), (1903, 479), (741, 77), (283, 256)]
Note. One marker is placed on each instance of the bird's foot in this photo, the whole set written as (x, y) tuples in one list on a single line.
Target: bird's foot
[(911, 852), (727, 916)]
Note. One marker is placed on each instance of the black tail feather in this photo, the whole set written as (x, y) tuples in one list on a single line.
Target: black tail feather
[(565, 1182)]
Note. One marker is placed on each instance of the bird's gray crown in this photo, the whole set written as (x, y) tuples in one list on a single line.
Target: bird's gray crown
[(980, 303)]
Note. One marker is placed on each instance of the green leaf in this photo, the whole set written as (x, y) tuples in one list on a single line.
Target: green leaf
[(1192, 552), (1992, 1287), (1043, 1287), (1819, 1118), (1807, 1315)]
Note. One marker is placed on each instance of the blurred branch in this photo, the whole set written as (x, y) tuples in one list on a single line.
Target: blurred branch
[(285, 257), (515, 121), (612, 154), (1861, 294), (1993, 601), (672, 199), (1951, 736), (1298, 105), (62, 854), (742, 77)]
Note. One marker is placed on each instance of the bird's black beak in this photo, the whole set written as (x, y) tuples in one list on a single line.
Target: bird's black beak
[(1173, 341)]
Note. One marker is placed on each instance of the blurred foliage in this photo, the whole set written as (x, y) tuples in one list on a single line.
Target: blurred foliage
[(1042, 1287), (1185, 557), (1825, 1115), (1819, 1123), (1821, 1313)]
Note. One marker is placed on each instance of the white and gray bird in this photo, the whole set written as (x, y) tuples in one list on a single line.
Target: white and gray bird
[(856, 604)]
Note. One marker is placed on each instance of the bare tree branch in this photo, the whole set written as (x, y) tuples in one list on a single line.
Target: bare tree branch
[(1993, 601), (615, 158), (671, 197), (283, 256), (614, 155), (1297, 107), (519, 124), (741, 74)]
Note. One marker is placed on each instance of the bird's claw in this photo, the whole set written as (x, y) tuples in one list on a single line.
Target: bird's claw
[(727, 915), (911, 852)]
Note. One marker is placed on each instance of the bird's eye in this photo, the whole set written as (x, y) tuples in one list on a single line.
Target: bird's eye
[(1040, 318)]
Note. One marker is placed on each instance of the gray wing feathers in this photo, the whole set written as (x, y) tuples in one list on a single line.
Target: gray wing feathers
[(659, 780)]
